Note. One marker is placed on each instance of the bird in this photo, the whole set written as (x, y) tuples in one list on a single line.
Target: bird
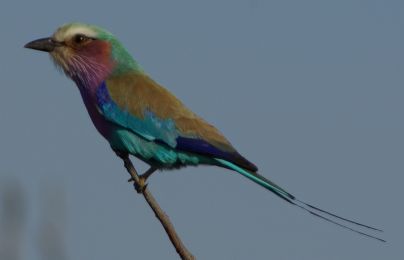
[(139, 117)]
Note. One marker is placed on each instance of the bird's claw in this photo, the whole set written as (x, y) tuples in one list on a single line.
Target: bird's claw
[(141, 185)]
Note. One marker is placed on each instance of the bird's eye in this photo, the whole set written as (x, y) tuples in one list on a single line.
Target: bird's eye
[(80, 38)]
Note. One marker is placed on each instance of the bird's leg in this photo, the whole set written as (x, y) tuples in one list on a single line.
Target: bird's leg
[(148, 173), (141, 184), (139, 181)]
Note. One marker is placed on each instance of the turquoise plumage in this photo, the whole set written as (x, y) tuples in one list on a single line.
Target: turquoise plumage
[(138, 116)]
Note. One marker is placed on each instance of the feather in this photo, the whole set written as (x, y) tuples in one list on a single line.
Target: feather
[(313, 210), (136, 102)]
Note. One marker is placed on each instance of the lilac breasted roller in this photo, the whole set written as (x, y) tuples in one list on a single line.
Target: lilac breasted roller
[(138, 116)]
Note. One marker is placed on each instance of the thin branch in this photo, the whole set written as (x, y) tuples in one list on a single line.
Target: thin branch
[(160, 214)]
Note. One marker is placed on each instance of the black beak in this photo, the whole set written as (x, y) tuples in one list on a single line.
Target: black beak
[(44, 44)]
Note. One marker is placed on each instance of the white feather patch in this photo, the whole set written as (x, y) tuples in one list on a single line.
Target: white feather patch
[(68, 31)]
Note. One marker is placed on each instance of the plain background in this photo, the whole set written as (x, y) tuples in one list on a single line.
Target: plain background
[(311, 91)]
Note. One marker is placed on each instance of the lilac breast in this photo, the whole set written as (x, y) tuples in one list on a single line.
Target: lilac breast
[(103, 126)]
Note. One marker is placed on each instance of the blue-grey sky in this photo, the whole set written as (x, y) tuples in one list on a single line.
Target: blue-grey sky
[(311, 91)]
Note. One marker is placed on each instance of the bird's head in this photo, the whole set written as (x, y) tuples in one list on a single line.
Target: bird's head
[(88, 54)]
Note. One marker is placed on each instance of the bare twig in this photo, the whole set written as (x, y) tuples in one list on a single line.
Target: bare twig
[(162, 217)]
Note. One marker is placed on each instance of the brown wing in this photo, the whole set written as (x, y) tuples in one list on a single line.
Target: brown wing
[(138, 93)]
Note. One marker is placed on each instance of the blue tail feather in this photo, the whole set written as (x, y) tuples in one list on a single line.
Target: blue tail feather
[(280, 192)]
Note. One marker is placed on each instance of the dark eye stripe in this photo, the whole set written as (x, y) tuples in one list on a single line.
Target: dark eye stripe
[(80, 38)]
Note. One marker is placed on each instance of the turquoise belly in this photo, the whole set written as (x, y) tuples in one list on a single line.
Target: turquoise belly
[(156, 154)]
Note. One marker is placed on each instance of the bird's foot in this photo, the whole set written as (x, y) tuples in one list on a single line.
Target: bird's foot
[(141, 185)]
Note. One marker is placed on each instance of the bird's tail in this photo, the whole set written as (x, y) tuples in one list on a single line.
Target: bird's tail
[(283, 194)]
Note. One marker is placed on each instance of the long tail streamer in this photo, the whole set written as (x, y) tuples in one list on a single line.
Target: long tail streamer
[(313, 210)]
